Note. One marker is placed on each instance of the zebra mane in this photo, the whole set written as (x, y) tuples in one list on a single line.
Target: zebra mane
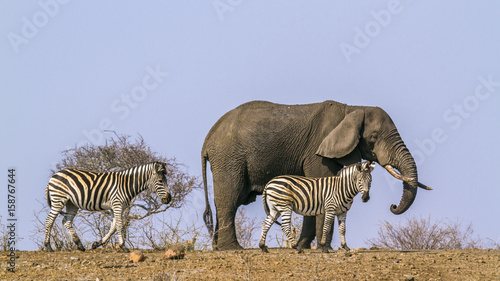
[(344, 170), (148, 166)]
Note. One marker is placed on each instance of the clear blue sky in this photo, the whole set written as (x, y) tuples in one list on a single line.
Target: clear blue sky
[(169, 69)]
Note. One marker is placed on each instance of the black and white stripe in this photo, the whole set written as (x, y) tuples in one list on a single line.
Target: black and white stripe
[(79, 189), (314, 196)]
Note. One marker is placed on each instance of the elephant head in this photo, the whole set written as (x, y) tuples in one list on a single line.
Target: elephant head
[(369, 132)]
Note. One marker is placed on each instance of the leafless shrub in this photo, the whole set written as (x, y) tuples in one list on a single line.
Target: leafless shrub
[(419, 233), (171, 232), (245, 226), (116, 154), (4, 236)]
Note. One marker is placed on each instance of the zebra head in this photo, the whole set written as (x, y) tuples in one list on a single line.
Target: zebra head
[(158, 182), (364, 179)]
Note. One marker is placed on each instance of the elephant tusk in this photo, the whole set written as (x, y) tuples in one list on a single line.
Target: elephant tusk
[(397, 175), (421, 185)]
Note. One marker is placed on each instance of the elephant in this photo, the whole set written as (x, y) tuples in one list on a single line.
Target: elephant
[(259, 140)]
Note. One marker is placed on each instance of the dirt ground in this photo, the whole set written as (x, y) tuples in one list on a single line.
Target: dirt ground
[(251, 264)]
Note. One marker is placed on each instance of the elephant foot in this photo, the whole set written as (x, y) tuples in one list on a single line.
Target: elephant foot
[(48, 248), (300, 250), (96, 244), (230, 246), (304, 244)]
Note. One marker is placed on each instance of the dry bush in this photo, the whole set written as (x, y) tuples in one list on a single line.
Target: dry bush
[(245, 227), (116, 154), (419, 233), (4, 236), (160, 233)]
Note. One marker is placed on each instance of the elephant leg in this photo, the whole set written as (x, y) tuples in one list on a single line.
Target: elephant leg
[(228, 194), (307, 234), (226, 228), (320, 220)]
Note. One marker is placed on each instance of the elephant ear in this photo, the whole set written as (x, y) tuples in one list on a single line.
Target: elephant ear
[(343, 140)]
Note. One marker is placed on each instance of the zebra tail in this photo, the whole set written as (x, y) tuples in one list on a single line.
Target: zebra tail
[(207, 215), (266, 207)]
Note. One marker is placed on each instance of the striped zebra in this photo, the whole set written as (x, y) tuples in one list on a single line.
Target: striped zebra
[(78, 189), (314, 196)]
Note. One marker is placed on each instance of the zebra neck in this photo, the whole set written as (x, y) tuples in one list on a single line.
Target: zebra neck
[(134, 180), (348, 184)]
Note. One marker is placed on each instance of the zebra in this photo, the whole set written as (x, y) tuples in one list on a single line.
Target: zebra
[(79, 189), (314, 196)]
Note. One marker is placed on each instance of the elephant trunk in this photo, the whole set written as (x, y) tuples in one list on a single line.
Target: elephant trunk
[(401, 159)]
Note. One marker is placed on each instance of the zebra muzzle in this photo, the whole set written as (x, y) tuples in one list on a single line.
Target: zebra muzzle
[(365, 196), (166, 199)]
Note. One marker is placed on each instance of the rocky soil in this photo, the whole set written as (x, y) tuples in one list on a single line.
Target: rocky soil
[(251, 264)]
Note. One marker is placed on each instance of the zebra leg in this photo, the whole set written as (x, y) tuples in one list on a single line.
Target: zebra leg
[(67, 221), (286, 226), (56, 208), (266, 225), (111, 231), (342, 218), (327, 225), (119, 227)]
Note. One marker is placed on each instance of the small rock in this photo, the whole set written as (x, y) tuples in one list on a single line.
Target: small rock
[(74, 258), (176, 251), (136, 256)]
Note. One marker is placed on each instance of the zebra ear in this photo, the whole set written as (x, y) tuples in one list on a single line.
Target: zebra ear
[(368, 166), (160, 167)]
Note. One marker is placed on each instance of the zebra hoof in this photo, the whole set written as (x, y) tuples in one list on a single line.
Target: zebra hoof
[(95, 245), (48, 248), (346, 248), (300, 251), (324, 250), (124, 249), (265, 249)]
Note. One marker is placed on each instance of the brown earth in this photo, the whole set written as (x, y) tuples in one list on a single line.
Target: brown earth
[(251, 264)]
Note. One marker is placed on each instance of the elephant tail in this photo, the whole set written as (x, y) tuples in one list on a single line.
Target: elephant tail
[(207, 215), (266, 207)]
